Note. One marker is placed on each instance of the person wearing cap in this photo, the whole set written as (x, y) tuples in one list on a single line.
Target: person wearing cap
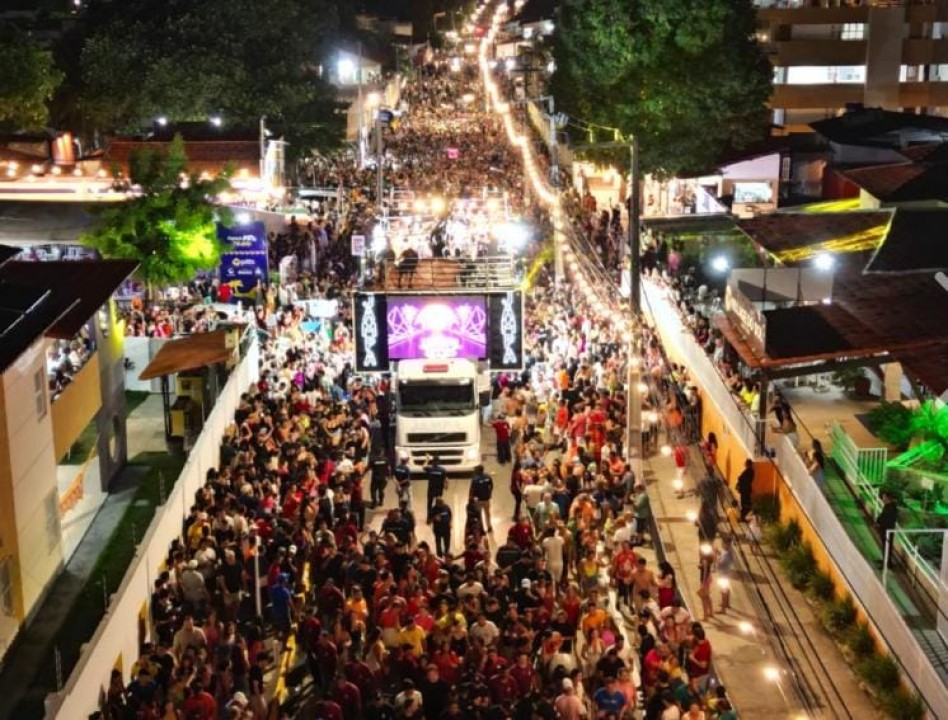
[(567, 705)]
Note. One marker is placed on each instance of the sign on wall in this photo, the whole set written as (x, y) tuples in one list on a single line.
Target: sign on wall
[(244, 262), (505, 317)]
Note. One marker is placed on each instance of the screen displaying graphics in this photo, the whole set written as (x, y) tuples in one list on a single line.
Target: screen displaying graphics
[(436, 326), (505, 312)]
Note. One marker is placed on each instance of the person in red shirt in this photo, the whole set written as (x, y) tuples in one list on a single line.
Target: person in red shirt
[(623, 569), (522, 533), (328, 710), (200, 704), (524, 675), (348, 697), (503, 688), (699, 661), (502, 429), (654, 660)]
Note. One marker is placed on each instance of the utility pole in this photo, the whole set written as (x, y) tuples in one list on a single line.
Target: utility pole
[(378, 158), (263, 147), (361, 114)]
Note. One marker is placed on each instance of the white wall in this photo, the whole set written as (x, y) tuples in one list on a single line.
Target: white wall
[(116, 635), (32, 464)]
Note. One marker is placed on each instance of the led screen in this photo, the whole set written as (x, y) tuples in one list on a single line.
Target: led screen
[(436, 326)]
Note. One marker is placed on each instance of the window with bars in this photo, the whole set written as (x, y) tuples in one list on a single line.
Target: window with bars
[(6, 587), (39, 393), (853, 31)]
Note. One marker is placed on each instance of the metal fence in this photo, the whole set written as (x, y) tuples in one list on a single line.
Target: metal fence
[(483, 273)]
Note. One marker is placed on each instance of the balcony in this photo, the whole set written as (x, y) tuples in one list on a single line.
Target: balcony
[(784, 53), (816, 96), (499, 272)]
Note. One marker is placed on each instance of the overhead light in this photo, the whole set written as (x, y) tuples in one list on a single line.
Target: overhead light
[(720, 263), (161, 120), (772, 673), (216, 120), (824, 262)]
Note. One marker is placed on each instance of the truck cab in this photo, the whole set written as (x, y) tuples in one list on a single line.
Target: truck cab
[(438, 413)]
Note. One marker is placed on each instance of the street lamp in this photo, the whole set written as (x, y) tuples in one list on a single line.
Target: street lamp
[(216, 120)]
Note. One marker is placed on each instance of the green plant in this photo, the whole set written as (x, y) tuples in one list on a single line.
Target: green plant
[(848, 378), (902, 704), (880, 671), (784, 536), (799, 564), (859, 639), (822, 586), (892, 422), (768, 508), (839, 614)]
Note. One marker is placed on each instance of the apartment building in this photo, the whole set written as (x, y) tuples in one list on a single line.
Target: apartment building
[(47, 492), (828, 54)]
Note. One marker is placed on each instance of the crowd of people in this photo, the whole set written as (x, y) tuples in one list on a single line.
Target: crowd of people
[(563, 617)]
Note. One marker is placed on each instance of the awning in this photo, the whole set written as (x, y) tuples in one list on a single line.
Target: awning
[(190, 353)]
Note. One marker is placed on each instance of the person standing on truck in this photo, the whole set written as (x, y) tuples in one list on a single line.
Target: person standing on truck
[(403, 479), (502, 428), (437, 482), (482, 489)]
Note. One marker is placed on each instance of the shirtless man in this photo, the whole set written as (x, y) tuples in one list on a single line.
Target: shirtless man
[(644, 584)]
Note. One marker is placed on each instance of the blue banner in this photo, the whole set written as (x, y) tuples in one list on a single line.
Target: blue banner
[(244, 261)]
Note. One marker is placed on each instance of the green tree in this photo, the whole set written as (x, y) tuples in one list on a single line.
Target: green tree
[(27, 82), (186, 60), (168, 225), (685, 76)]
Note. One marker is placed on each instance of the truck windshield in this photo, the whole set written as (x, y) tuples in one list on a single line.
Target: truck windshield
[(428, 397)]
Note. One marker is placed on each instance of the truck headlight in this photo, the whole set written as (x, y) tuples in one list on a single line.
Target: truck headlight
[(471, 453)]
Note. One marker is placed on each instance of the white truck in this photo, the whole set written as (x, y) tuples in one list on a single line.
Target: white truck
[(438, 413)]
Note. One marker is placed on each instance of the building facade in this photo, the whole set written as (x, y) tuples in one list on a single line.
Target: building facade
[(61, 443), (828, 54)]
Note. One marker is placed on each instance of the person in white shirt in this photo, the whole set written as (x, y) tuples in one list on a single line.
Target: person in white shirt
[(484, 629), (553, 545)]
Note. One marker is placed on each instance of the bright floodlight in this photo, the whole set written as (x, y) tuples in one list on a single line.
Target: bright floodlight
[(720, 263), (513, 235), (243, 218), (824, 262), (217, 121), (772, 673), (346, 69), (510, 64), (162, 120)]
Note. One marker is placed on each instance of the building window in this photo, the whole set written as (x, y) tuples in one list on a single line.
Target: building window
[(6, 588), (911, 73), (853, 31), (39, 393), (826, 75), (52, 520)]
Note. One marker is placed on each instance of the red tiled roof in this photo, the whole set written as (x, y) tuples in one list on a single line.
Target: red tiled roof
[(203, 156), (780, 232)]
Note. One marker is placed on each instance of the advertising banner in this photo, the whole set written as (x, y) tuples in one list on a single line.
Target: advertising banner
[(371, 341), (244, 262), (505, 316)]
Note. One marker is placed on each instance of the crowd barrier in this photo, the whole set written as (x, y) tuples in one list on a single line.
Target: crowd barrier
[(116, 641)]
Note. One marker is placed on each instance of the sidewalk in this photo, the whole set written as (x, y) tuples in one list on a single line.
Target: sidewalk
[(742, 641), (29, 672)]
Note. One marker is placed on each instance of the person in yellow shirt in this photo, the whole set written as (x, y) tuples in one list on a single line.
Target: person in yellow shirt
[(415, 636)]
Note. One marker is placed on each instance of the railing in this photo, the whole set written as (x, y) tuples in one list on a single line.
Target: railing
[(863, 469), (483, 273), (679, 341), (864, 584)]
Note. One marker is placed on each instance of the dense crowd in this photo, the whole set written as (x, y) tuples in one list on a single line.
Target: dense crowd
[(562, 618)]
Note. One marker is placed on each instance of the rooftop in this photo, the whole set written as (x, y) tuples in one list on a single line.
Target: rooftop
[(875, 127), (50, 299)]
